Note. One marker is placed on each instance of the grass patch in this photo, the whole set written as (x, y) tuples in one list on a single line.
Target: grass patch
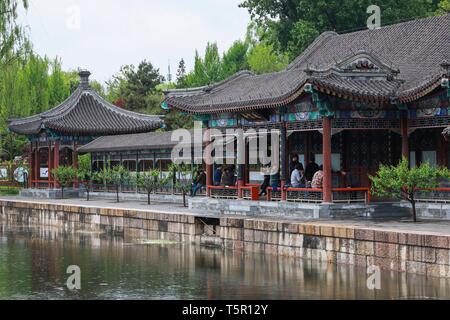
[(9, 191)]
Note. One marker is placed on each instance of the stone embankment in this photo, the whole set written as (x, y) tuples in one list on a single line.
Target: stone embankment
[(421, 252)]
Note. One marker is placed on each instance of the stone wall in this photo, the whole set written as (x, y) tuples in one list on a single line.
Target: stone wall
[(422, 253), (390, 250), (299, 210), (259, 208), (431, 210)]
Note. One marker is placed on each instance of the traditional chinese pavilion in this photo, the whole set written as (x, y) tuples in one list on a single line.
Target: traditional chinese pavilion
[(353, 101), (56, 135)]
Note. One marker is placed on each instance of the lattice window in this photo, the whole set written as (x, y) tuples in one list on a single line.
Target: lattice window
[(304, 196), (297, 142), (224, 193), (376, 123), (436, 122), (305, 125), (350, 196)]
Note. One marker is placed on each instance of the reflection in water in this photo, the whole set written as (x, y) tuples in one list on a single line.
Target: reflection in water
[(33, 263)]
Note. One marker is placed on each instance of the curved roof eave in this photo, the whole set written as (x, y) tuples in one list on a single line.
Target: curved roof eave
[(67, 119)]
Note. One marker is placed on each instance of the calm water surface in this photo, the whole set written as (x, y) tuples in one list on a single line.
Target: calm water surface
[(33, 263)]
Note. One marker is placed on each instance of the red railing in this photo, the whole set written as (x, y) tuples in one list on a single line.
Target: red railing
[(349, 195), (43, 184), (274, 195), (250, 192), (221, 192), (314, 195)]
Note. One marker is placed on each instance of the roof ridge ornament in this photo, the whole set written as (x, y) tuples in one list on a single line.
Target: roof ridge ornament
[(360, 64), (445, 81), (446, 66), (84, 78)]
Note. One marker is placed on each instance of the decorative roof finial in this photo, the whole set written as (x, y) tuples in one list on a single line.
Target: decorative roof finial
[(446, 66), (84, 78)]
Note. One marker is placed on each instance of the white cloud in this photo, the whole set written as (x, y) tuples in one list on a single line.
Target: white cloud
[(111, 33)]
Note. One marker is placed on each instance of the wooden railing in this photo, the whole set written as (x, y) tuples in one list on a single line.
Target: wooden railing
[(349, 195), (306, 195), (42, 184), (250, 192), (221, 192), (312, 195), (273, 195)]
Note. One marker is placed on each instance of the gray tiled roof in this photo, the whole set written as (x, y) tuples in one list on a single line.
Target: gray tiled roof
[(414, 49), (86, 113), (129, 142), (371, 89)]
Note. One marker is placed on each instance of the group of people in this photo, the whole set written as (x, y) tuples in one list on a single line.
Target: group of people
[(223, 176), (300, 177), (309, 177)]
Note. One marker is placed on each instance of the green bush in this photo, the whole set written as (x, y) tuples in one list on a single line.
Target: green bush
[(402, 182), (65, 176), (9, 191)]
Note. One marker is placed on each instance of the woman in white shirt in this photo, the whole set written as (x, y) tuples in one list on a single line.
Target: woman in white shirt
[(297, 177)]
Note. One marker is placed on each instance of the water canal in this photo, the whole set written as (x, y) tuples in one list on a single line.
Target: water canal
[(34, 259)]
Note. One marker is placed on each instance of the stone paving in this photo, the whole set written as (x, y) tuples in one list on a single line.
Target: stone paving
[(426, 225)]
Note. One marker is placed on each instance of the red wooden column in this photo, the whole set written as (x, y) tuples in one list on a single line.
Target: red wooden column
[(283, 161), (56, 158), (326, 146), (75, 162), (208, 161), (37, 160), (247, 163), (32, 173), (241, 162), (49, 164), (405, 140)]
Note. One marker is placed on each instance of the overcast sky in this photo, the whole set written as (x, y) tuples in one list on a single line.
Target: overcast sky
[(102, 35)]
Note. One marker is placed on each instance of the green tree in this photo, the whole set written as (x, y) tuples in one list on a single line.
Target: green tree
[(302, 34), (25, 89), (403, 182), (85, 174), (57, 88), (116, 176), (183, 178), (263, 59), (65, 177), (136, 86), (181, 74), (290, 24), (14, 43), (207, 70), (443, 7), (151, 181), (235, 59)]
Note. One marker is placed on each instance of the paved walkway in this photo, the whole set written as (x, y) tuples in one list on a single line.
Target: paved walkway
[(109, 204), (428, 226)]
